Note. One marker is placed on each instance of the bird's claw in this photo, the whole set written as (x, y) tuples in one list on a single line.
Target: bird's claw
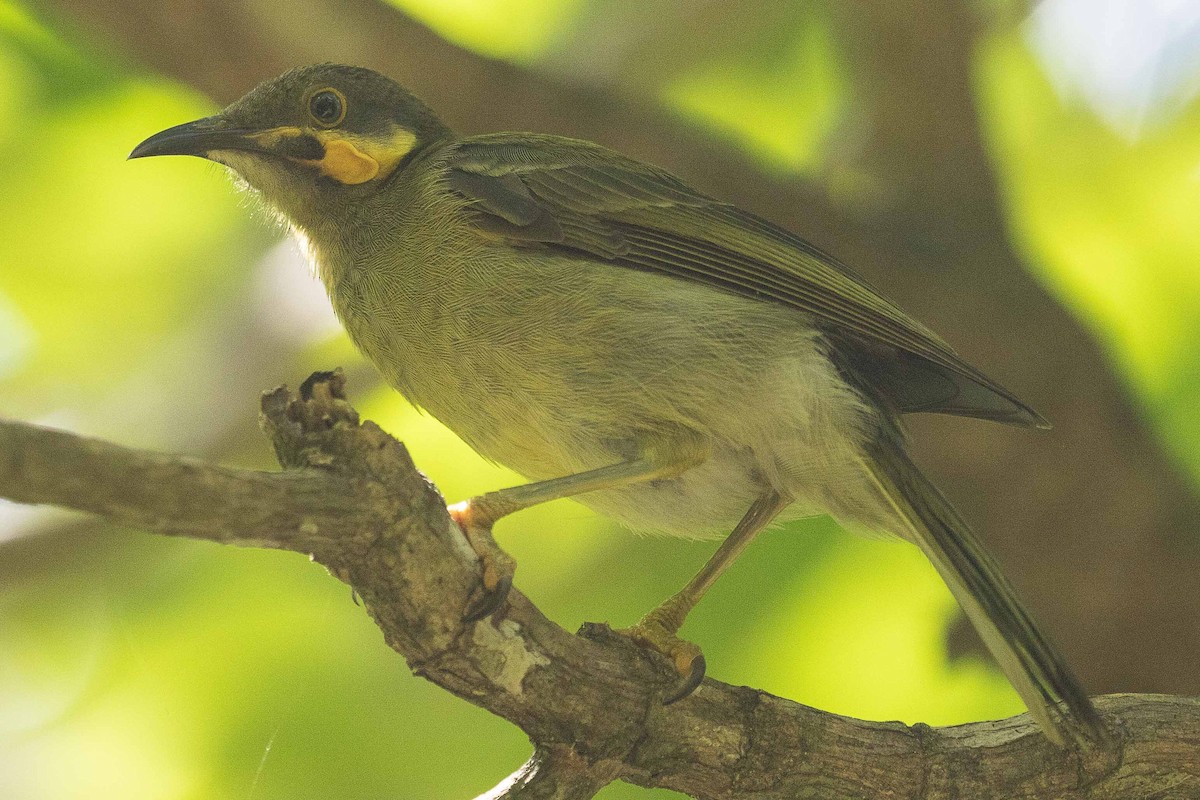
[(496, 576), (693, 676), (485, 600), (685, 657)]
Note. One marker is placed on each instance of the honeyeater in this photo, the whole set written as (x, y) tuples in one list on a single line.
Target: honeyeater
[(594, 323)]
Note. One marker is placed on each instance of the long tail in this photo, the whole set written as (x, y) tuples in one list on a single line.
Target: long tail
[(1035, 669)]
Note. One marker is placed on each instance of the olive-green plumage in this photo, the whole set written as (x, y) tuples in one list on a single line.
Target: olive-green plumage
[(564, 308)]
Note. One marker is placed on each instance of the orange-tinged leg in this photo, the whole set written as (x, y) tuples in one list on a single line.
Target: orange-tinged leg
[(658, 630), (477, 515)]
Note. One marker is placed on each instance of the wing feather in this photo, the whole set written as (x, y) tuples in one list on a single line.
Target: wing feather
[(576, 195)]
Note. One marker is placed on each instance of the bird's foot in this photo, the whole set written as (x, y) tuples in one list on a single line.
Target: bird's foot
[(497, 566), (657, 632)]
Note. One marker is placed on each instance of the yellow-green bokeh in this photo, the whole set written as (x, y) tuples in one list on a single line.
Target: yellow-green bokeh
[(138, 667)]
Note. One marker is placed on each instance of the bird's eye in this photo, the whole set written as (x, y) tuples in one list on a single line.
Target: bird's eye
[(327, 106)]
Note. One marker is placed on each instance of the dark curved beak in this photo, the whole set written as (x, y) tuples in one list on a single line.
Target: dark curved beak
[(197, 138)]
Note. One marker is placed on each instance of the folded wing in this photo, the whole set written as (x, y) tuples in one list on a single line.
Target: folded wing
[(577, 196)]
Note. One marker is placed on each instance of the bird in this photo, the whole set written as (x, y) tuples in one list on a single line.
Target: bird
[(613, 335)]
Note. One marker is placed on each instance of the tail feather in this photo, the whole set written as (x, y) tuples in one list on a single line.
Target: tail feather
[(1035, 669)]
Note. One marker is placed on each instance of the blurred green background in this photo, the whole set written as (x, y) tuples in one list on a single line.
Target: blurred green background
[(149, 302)]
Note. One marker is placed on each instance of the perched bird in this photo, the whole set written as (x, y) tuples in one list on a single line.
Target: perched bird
[(600, 327)]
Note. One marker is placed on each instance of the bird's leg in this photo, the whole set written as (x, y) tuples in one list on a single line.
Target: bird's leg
[(658, 630), (477, 515)]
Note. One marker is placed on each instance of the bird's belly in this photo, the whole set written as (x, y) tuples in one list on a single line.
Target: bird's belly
[(552, 367)]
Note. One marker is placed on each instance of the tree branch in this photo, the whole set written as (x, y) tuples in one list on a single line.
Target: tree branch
[(352, 499), (172, 495)]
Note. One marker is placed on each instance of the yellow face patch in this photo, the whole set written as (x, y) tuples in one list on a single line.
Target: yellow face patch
[(345, 163), (349, 158)]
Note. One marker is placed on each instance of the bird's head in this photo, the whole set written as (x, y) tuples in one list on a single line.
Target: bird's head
[(311, 137)]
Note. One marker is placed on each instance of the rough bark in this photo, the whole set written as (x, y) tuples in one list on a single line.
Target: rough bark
[(351, 498), (1095, 521)]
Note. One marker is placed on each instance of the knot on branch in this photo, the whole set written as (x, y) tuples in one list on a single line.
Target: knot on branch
[(319, 429)]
